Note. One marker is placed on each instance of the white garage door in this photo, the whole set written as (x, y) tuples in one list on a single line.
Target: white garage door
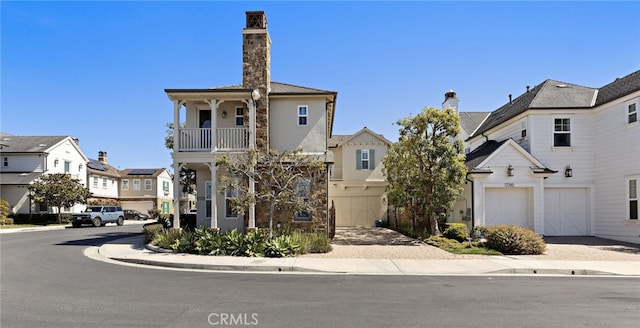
[(141, 206), (507, 206), (565, 212), (357, 211)]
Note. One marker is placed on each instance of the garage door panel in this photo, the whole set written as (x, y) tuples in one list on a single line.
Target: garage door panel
[(566, 212), (141, 206), (506, 206), (357, 211)]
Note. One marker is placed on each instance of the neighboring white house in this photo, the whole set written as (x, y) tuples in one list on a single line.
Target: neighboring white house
[(561, 159), (103, 180), (257, 114), (25, 158), (356, 183)]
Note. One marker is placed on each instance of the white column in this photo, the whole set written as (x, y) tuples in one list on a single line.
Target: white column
[(177, 191), (214, 196), (176, 124)]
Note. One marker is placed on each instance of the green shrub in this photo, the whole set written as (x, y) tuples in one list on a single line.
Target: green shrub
[(479, 232), (233, 242), (154, 213), (209, 242), (186, 242), (6, 221), (167, 238), (254, 242), (456, 247), (4, 209), (318, 242), (514, 240), (280, 246), (150, 231), (457, 231)]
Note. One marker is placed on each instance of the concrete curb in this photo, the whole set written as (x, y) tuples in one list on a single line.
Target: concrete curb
[(131, 250)]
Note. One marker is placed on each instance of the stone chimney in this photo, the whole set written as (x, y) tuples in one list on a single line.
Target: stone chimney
[(102, 157), (450, 101), (256, 71)]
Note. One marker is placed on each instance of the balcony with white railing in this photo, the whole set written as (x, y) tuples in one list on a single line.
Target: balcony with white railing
[(201, 139)]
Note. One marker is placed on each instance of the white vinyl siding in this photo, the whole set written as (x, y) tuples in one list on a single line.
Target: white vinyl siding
[(632, 198), (632, 113)]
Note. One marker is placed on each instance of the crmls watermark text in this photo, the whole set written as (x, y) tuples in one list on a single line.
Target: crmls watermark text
[(232, 319)]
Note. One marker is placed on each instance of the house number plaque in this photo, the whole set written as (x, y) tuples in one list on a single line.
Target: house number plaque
[(509, 185)]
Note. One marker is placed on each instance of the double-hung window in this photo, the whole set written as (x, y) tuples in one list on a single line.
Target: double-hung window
[(95, 182), (125, 184), (5, 161), (147, 184), (229, 195), (365, 159), (104, 182), (523, 129), (632, 113), (239, 116), (561, 132), (136, 184), (632, 196), (303, 192), (303, 112), (67, 167)]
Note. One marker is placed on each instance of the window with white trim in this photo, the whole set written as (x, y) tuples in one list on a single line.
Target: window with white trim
[(632, 196), (365, 159), (229, 195), (67, 167), (562, 132), (303, 192), (136, 184), (125, 184), (5, 161), (104, 182), (147, 184), (303, 112), (239, 116), (207, 198), (165, 185), (632, 113), (95, 182), (523, 129)]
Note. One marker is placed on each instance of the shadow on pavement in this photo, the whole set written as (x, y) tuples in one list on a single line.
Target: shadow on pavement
[(600, 243), (100, 239), (372, 236)]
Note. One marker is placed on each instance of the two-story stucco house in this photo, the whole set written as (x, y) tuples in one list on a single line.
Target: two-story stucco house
[(356, 183), (257, 114), (560, 159), (146, 189), (25, 158)]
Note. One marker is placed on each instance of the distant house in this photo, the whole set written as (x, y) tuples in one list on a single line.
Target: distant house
[(356, 183), (103, 180), (146, 189), (258, 114), (25, 158), (561, 159)]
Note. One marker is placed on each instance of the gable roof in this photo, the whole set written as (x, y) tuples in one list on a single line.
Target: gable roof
[(29, 144), (550, 94), (476, 159), (469, 121), (619, 88), (97, 167), (338, 140)]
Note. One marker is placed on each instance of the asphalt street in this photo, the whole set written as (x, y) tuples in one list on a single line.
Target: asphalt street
[(46, 281)]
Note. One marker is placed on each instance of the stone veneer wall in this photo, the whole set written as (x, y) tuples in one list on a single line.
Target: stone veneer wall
[(256, 74), (319, 215)]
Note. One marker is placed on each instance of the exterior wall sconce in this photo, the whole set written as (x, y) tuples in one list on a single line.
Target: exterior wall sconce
[(568, 171), (510, 170), (55, 163), (224, 114)]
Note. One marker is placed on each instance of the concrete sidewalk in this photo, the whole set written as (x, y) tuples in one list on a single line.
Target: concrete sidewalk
[(132, 250)]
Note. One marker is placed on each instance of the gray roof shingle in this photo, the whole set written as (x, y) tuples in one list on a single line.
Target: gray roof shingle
[(29, 144), (619, 88), (469, 121)]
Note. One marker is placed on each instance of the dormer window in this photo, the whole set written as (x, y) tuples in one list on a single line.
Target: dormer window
[(562, 132), (632, 113)]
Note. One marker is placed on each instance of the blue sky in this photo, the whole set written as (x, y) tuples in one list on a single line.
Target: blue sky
[(97, 70)]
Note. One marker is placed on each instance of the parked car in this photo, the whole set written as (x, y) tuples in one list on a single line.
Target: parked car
[(98, 216), (193, 211), (135, 215)]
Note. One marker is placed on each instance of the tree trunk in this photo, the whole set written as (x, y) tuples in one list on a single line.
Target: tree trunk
[(271, 210)]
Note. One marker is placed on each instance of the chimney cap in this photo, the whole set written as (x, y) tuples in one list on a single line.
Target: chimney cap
[(256, 20)]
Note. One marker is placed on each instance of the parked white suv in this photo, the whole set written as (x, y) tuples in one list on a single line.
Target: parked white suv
[(98, 216)]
